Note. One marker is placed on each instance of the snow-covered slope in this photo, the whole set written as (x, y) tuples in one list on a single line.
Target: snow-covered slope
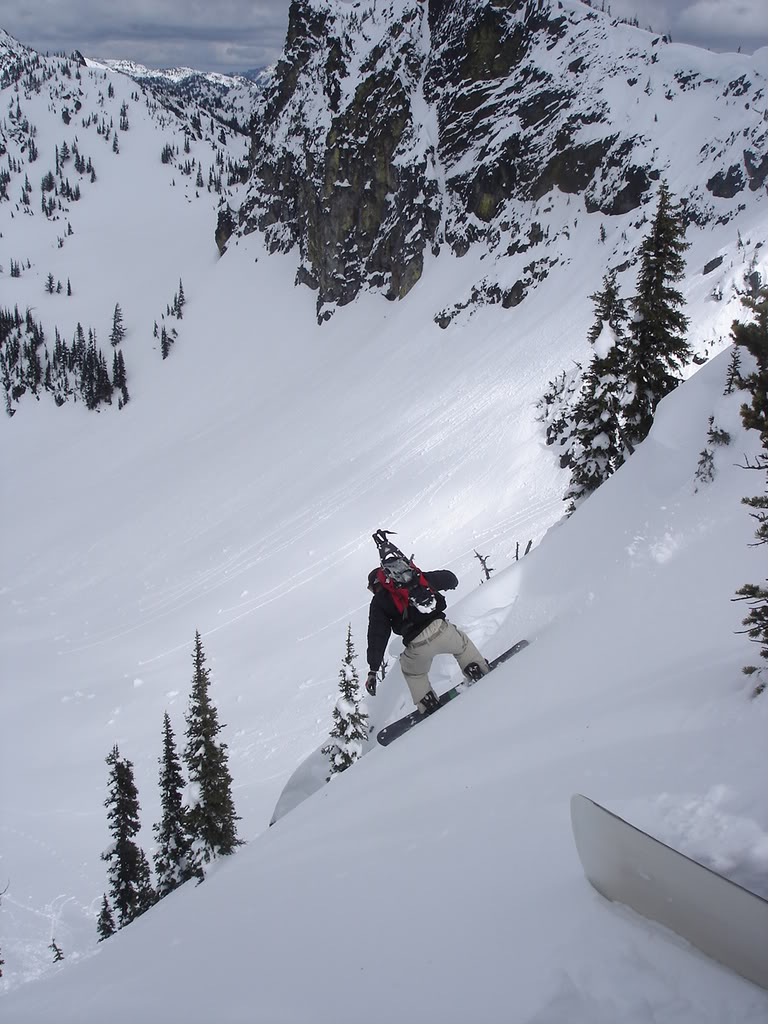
[(447, 857), (236, 494)]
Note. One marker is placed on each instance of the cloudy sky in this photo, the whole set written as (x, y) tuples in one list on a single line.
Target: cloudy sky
[(234, 35)]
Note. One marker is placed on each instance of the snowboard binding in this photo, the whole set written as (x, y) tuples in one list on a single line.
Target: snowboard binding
[(473, 673)]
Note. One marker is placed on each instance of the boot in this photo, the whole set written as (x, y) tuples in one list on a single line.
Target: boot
[(429, 703), (473, 672)]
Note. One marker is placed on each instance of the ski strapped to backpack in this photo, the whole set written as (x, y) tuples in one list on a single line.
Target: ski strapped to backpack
[(402, 577)]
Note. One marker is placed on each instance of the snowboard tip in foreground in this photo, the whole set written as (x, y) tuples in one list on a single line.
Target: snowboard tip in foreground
[(718, 916)]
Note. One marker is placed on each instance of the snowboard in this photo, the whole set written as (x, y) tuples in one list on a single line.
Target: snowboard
[(721, 918), (396, 729)]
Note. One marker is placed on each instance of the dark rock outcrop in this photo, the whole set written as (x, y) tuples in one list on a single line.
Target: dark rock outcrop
[(726, 185), (713, 264), (757, 169), (393, 132)]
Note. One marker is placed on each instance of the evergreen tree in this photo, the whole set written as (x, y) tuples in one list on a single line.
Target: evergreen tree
[(57, 954), (118, 330), (658, 348), (119, 379), (733, 376), (754, 338), (128, 871), (104, 387), (350, 719), (106, 922), (596, 448), (705, 470), (174, 861), (557, 405), (212, 818)]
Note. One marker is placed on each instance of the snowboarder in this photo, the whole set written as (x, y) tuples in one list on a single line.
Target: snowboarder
[(425, 634)]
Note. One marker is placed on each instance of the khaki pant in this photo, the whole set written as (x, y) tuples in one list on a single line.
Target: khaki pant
[(439, 637)]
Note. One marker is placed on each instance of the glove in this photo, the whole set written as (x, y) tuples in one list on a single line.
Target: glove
[(370, 683)]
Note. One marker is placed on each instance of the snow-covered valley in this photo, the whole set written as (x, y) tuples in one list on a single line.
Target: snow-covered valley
[(235, 494)]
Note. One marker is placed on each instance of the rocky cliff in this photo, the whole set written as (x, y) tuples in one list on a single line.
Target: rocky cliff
[(392, 130)]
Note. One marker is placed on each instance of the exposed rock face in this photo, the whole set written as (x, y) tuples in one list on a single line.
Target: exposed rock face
[(757, 169), (396, 128), (725, 185), (341, 169)]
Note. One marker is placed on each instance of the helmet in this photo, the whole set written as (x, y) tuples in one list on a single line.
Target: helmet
[(373, 577)]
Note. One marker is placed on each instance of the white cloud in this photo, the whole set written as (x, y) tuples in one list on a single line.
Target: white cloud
[(717, 24), (229, 35), (737, 19), (226, 35)]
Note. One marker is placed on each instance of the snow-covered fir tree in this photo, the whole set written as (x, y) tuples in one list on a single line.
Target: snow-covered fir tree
[(119, 378), (658, 348), (350, 718), (733, 376), (753, 337), (174, 860), (105, 924), (180, 301), (129, 876), (212, 818), (596, 446), (118, 329), (556, 407)]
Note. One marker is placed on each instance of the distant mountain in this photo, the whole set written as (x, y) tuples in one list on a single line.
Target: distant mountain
[(262, 76), (11, 52), (224, 96), (78, 137), (171, 75), (230, 98), (393, 132)]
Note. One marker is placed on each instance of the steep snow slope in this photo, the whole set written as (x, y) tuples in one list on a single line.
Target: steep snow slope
[(236, 494), (436, 879)]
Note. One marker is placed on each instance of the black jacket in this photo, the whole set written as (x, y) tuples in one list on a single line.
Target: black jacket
[(384, 618)]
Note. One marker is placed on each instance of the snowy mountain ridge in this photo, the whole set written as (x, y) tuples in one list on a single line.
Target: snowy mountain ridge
[(68, 128), (224, 96), (236, 493), (174, 75), (494, 109)]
